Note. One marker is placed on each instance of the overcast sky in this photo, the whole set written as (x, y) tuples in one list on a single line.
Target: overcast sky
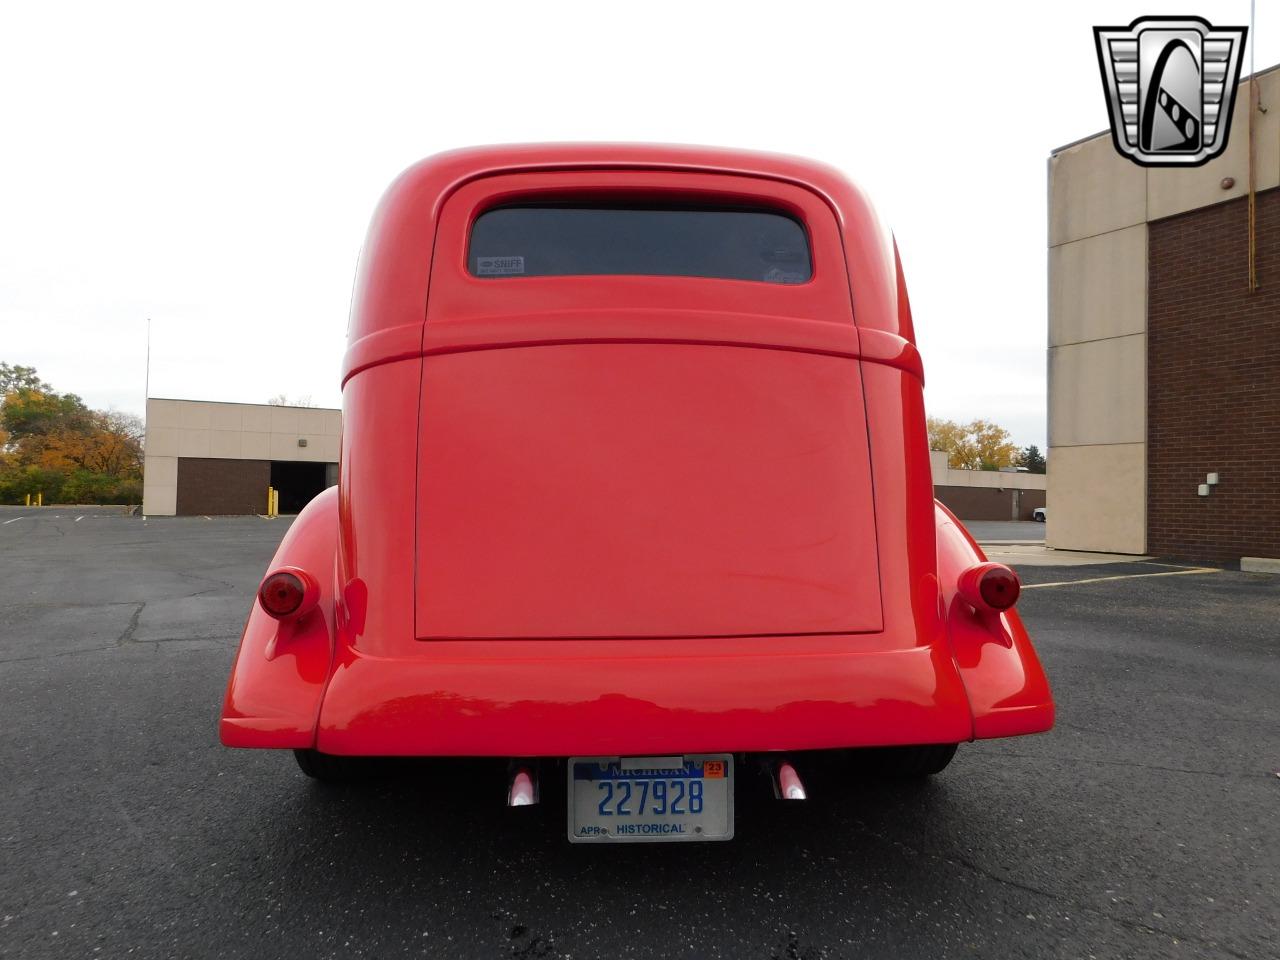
[(214, 168)]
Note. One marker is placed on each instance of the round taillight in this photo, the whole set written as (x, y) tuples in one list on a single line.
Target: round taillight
[(999, 586), (281, 594), (990, 586)]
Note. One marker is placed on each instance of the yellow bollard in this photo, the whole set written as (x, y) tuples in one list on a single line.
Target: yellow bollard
[(40, 499), (28, 499)]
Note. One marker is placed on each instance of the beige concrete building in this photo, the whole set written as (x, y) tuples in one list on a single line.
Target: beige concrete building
[(1144, 265), (220, 458)]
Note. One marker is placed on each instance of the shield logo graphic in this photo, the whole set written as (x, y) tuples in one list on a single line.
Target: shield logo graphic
[(1170, 84)]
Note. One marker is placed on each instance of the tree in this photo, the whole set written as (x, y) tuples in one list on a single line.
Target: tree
[(282, 400), (117, 449), (976, 445), (30, 412), (1032, 459), (52, 443), (110, 444), (15, 376)]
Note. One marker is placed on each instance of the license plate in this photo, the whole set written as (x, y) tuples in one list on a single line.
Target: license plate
[(650, 799)]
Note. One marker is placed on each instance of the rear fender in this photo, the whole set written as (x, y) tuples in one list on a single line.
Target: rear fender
[(282, 667), (1008, 691)]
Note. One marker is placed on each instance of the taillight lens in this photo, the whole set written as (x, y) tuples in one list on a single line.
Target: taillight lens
[(282, 594), (999, 586), (990, 586)]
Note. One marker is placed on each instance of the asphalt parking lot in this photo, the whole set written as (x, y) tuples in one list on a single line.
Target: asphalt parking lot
[(1145, 825), (1003, 531)]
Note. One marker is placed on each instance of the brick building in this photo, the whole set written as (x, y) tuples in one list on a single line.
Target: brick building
[(1164, 366)]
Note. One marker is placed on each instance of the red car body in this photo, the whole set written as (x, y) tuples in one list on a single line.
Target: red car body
[(617, 515)]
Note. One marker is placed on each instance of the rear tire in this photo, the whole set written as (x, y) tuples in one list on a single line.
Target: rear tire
[(911, 763), (328, 768)]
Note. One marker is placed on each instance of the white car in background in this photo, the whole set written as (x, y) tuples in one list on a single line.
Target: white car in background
[(1039, 514)]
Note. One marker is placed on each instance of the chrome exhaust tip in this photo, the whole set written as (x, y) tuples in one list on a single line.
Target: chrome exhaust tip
[(787, 783), (523, 791)]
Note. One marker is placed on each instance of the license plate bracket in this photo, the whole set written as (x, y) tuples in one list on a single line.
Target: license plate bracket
[(669, 799)]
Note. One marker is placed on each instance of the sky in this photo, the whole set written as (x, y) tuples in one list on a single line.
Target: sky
[(214, 167)]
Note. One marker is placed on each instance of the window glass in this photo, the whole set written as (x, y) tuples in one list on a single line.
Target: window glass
[(569, 240)]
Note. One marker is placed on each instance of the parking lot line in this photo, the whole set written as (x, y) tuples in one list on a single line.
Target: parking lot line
[(14, 520), (1123, 576)]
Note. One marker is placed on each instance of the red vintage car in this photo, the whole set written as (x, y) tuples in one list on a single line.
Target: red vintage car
[(634, 486)]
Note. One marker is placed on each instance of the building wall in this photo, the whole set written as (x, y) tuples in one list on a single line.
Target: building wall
[(990, 503), (986, 494), (209, 486), (1097, 349), (1100, 208), (242, 432), (945, 476), (1214, 383)]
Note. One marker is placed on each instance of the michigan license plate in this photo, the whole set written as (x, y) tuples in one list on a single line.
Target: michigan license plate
[(648, 799)]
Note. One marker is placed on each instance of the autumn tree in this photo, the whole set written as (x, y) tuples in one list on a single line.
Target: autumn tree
[(118, 443), (976, 445), (53, 444)]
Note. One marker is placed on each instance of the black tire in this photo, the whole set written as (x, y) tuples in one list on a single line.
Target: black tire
[(912, 763), (328, 768)]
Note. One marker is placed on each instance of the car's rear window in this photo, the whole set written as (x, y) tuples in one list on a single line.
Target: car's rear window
[(575, 240)]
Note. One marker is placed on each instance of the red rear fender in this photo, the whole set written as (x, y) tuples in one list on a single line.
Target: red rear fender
[(273, 697), (1008, 691)]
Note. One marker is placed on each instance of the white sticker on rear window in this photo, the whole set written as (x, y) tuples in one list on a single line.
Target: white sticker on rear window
[(499, 266), (776, 275)]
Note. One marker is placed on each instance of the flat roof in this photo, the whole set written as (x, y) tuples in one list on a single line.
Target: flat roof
[(243, 403)]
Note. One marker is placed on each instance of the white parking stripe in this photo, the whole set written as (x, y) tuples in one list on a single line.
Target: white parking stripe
[(1123, 576), (78, 519), (14, 520)]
